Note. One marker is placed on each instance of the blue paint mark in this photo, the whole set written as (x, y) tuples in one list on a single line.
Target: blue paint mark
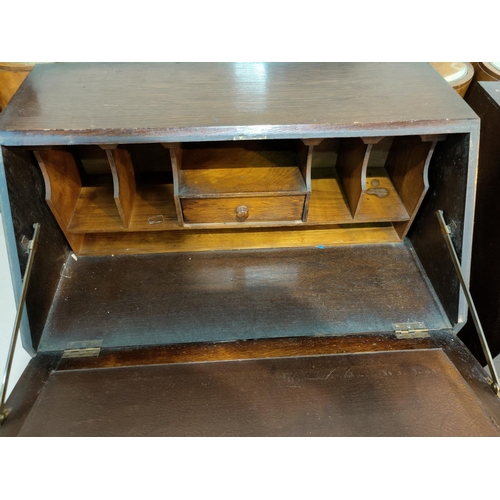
[(320, 246)]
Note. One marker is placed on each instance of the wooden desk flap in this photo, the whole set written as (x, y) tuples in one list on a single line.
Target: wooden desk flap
[(400, 393)]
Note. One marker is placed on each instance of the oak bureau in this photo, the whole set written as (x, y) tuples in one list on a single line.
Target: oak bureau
[(242, 249)]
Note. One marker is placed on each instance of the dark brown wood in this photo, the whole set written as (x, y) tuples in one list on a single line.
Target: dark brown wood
[(27, 391), (372, 384), (401, 393), (485, 267), (145, 102), (215, 322), (453, 185), (226, 296), (25, 205), (249, 349)]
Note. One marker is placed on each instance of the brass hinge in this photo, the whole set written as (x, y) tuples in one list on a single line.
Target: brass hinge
[(83, 349), (410, 330)]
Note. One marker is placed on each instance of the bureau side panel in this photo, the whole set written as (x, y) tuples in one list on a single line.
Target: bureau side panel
[(452, 177), (23, 194), (485, 269)]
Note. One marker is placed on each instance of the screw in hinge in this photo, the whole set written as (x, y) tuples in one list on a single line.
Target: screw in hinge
[(495, 388), (25, 242), (3, 416)]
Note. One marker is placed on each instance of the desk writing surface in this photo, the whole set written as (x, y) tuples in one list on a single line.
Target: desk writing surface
[(200, 101), (401, 393)]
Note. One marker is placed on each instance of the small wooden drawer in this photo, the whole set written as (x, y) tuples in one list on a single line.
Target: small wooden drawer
[(243, 210)]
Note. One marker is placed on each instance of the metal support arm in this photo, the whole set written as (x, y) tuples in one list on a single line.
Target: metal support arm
[(445, 229), (5, 381)]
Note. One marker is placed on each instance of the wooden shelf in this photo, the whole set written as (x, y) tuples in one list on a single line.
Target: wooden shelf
[(96, 211), (327, 204), (199, 240), (386, 206), (247, 181), (356, 183)]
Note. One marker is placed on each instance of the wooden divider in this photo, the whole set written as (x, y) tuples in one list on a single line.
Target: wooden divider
[(306, 150), (124, 188), (175, 150), (62, 188), (352, 162), (349, 187), (408, 167)]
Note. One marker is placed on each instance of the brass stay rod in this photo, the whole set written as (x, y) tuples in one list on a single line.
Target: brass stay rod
[(445, 229), (32, 249)]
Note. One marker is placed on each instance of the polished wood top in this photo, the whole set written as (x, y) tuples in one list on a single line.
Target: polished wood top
[(98, 102)]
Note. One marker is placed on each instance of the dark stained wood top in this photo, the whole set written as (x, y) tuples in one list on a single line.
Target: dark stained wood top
[(96, 102)]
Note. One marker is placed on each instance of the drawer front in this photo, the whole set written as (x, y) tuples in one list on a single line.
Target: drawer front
[(243, 210)]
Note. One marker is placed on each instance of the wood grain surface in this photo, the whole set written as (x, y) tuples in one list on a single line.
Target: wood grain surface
[(144, 102), (327, 204), (22, 194), (484, 285), (12, 75), (380, 202), (452, 178), (223, 296), (122, 170), (231, 236), (388, 384), (259, 209), (412, 393), (210, 183), (62, 189), (351, 166), (238, 154), (96, 210)]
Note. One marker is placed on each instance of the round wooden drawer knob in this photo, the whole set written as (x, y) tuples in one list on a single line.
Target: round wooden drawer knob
[(242, 213)]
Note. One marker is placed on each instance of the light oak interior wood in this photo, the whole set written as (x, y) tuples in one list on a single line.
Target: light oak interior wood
[(62, 188), (227, 182), (123, 182), (360, 190)]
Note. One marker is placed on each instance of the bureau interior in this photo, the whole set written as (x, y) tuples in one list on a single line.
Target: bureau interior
[(340, 236), (108, 199)]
